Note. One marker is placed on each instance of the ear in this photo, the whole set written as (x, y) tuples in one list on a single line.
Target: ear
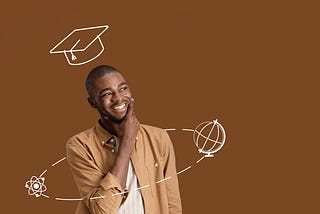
[(92, 102)]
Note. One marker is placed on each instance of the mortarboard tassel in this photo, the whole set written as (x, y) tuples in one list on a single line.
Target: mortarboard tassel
[(73, 57)]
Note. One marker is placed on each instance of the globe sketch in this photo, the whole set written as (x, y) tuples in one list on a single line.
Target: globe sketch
[(209, 137)]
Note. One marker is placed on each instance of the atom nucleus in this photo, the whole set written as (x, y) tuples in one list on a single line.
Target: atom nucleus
[(36, 186)]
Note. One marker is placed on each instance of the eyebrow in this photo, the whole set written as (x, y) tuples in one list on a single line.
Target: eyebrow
[(109, 88)]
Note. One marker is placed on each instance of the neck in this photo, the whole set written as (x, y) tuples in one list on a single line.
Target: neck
[(107, 125)]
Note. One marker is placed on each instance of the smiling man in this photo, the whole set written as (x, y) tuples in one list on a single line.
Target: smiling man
[(121, 166)]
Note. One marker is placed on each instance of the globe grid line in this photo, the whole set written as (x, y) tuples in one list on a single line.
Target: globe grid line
[(215, 122), (205, 143)]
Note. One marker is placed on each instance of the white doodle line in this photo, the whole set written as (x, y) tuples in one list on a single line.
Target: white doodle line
[(83, 49), (192, 130), (200, 159), (68, 199), (45, 195), (145, 186), (183, 170), (36, 186), (170, 129), (79, 29), (188, 130), (209, 152), (71, 50), (43, 173), (205, 143), (97, 197), (62, 159), (163, 180)]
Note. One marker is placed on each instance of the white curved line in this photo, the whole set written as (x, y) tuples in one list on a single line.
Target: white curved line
[(206, 136), (223, 137), (200, 159), (68, 199), (120, 193), (43, 173), (188, 130), (97, 197), (79, 29), (216, 139), (205, 143), (81, 63), (205, 126), (45, 195), (62, 159), (145, 186), (71, 50), (187, 168), (184, 170), (163, 180)]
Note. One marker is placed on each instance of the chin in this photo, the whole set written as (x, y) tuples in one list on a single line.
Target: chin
[(117, 119), (116, 116)]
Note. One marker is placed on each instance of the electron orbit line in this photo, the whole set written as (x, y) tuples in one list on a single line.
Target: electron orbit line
[(163, 180), (45, 195), (68, 199), (142, 187), (188, 130), (58, 161), (200, 159), (170, 129), (145, 186), (43, 173), (183, 170)]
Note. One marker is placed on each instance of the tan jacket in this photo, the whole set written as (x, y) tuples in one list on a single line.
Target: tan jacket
[(91, 154)]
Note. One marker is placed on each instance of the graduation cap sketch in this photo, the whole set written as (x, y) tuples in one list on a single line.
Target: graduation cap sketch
[(82, 45)]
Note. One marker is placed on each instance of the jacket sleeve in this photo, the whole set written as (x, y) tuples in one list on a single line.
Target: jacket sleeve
[(172, 185), (96, 189)]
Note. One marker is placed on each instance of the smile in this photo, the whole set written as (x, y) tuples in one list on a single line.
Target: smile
[(119, 107)]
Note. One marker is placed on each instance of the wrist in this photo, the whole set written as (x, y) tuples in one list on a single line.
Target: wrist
[(126, 146)]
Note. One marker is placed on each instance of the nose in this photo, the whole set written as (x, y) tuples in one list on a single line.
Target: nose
[(116, 98)]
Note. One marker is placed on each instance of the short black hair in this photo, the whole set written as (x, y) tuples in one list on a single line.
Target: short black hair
[(97, 73)]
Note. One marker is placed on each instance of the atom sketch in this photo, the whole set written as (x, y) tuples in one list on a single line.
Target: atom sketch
[(36, 186)]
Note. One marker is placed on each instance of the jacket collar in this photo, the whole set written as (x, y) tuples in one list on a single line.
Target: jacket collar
[(104, 136)]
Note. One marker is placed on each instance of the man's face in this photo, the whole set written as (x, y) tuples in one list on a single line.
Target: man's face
[(111, 96)]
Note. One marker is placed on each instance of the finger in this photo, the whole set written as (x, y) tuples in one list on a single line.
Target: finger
[(130, 107)]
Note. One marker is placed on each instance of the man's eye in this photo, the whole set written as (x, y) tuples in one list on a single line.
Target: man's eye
[(106, 94), (124, 88)]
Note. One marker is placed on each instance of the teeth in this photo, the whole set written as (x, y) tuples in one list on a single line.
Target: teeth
[(120, 106)]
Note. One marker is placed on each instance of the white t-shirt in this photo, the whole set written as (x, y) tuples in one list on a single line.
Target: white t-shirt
[(134, 203)]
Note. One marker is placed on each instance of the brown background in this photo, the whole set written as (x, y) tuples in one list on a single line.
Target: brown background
[(253, 65)]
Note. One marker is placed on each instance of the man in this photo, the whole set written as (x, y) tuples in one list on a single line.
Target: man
[(121, 166)]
